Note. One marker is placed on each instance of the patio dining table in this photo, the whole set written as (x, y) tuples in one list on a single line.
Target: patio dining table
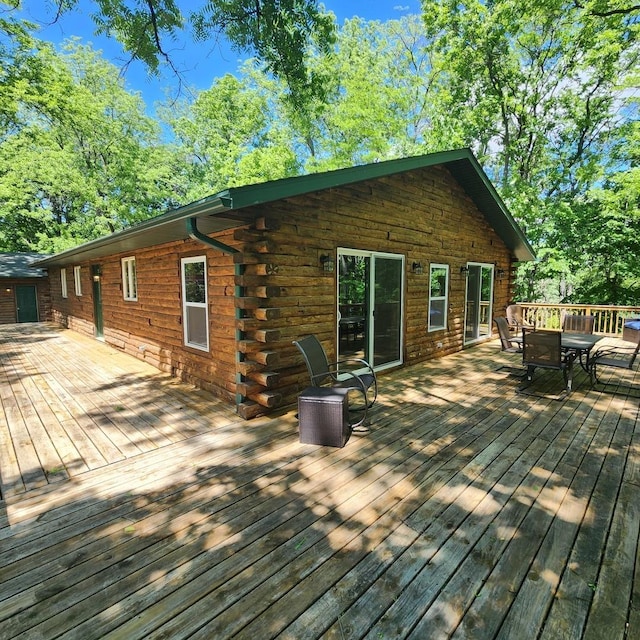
[(581, 343)]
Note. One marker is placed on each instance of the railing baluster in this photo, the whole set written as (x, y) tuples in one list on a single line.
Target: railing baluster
[(609, 319)]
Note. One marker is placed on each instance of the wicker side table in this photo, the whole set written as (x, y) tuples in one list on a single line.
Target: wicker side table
[(323, 413)]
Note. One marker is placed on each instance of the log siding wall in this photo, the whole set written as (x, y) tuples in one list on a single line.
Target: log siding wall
[(424, 215), (282, 291), (151, 328), (8, 304)]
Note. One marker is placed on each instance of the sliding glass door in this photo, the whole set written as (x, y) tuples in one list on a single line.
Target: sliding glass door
[(478, 311), (370, 306)]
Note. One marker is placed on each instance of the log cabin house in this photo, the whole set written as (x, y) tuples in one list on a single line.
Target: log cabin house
[(24, 290), (397, 262)]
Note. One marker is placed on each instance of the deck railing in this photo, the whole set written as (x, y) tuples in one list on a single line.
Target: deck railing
[(609, 319)]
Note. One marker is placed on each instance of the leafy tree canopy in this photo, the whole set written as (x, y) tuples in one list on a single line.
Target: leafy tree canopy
[(79, 158), (278, 32)]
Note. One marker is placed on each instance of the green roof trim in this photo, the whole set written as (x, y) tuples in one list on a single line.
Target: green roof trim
[(224, 209)]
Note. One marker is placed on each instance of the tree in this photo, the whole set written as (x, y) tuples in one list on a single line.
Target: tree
[(278, 32), (534, 88), (79, 158), (377, 97), (232, 134), (602, 231)]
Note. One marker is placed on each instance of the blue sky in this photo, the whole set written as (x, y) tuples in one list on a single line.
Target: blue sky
[(199, 64)]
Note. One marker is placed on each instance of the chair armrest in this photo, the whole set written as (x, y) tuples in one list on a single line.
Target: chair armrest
[(356, 361), (333, 366), (612, 351)]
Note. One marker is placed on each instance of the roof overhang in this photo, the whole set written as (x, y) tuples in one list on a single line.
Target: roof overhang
[(231, 208)]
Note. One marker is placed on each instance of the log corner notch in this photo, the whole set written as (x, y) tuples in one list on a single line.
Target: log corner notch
[(255, 360)]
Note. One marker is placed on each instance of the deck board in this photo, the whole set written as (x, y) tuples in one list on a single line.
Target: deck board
[(467, 511)]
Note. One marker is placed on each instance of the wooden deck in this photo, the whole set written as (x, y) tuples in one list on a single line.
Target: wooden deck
[(135, 507)]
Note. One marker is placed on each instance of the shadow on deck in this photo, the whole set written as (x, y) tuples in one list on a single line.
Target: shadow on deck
[(468, 511)]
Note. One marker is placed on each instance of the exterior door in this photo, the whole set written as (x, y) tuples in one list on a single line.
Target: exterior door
[(370, 307), (26, 303), (96, 276), (478, 311)]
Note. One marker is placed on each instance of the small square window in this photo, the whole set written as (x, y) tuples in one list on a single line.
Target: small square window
[(77, 279), (129, 279)]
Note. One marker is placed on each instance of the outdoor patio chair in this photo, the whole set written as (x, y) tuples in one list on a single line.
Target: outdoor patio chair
[(577, 323), (619, 356), (543, 349), (510, 343), (345, 373), (515, 318)]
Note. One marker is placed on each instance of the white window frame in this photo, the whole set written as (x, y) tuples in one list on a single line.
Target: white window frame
[(77, 278), (63, 283), (445, 298), (186, 305), (129, 279)]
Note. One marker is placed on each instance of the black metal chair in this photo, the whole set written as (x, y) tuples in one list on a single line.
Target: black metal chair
[(619, 356), (577, 323), (509, 343), (344, 373), (515, 318), (543, 349)]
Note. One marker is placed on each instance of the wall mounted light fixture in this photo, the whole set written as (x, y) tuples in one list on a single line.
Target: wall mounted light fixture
[(464, 270), (327, 263), (96, 272), (416, 268)]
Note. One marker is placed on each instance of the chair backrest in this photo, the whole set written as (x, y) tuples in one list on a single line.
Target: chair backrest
[(315, 358), (514, 315), (542, 349), (503, 330), (578, 324)]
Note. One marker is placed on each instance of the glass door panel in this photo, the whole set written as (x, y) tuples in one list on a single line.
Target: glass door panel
[(353, 305), (370, 302), (472, 311), (477, 322), (387, 310)]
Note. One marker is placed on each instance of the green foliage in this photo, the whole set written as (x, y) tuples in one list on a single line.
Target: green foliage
[(378, 102), (231, 135), (542, 91), (79, 158), (534, 89), (278, 32)]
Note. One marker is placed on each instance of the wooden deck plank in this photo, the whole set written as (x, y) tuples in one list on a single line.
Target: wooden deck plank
[(288, 610), (249, 515), (252, 513), (469, 510), (10, 476), (614, 584), (567, 614), (542, 492)]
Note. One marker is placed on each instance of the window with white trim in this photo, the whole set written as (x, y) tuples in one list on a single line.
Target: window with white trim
[(129, 279), (63, 283), (438, 296), (194, 302), (77, 280)]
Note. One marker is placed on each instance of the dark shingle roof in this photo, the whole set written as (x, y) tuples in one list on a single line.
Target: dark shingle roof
[(18, 265)]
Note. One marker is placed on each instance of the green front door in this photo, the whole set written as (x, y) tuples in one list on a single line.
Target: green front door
[(26, 303)]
